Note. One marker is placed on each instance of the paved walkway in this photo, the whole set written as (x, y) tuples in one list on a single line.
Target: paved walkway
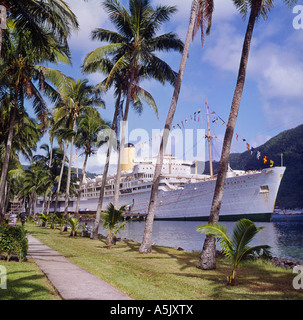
[(71, 281)]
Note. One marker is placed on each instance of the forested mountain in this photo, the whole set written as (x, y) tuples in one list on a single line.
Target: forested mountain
[(290, 144)]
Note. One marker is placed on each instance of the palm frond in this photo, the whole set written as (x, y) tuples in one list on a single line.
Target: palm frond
[(145, 95), (219, 231), (243, 233)]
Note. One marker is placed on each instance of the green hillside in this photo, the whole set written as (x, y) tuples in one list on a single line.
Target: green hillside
[(290, 143)]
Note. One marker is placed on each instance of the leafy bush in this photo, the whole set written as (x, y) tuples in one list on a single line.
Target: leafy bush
[(13, 241)]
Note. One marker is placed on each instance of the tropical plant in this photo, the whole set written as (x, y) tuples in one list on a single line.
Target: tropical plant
[(22, 78), (40, 18), (236, 247), (76, 97), (60, 220), (133, 50), (35, 183), (73, 222), (201, 15), (112, 219), (44, 219), (257, 8), (13, 240), (89, 126), (62, 136), (26, 136)]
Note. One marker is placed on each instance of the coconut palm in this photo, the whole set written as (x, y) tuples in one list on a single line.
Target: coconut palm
[(34, 182), (76, 96), (201, 15), (236, 247), (73, 222), (257, 8), (26, 136), (51, 162), (63, 139), (119, 82), (41, 18), (112, 219), (133, 45), (89, 126), (19, 77)]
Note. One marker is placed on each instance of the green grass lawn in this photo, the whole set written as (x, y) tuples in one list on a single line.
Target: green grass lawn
[(25, 281), (167, 273)]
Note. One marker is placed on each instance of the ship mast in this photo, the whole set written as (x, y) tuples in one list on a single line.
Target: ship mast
[(209, 137)]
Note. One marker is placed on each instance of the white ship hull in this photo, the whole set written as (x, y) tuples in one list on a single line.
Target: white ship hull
[(250, 195)]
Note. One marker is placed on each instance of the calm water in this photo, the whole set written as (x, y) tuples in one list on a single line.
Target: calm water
[(285, 238)]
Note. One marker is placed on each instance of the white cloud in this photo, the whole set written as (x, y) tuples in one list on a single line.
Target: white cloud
[(223, 49), (90, 15), (276, 67), (282, 79)]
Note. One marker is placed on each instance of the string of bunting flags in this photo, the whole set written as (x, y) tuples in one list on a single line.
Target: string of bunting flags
[(197, 116), (257, 153)]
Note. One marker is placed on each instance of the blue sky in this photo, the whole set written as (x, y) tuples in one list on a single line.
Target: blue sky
[(273, 93)]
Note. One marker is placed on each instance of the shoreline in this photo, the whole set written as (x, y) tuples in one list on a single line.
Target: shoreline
[(281, 262)]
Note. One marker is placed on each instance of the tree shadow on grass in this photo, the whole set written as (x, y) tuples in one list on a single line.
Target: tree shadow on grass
[(27, 287), (253, 282)]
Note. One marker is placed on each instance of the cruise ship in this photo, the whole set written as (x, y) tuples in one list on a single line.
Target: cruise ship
[(183, 194)]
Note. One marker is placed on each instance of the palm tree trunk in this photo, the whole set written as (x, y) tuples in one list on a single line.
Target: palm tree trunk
[(8, 191), (80, 185), (51, 152), (1, 35), (6, 163), (69, 175), (60, 177), (35, 203), (120, 155), (49, 202), (207, 259), (44, 202), (105, 172), (146, 245)]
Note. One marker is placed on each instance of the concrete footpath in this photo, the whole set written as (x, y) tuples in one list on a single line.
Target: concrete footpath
[(71, 281)]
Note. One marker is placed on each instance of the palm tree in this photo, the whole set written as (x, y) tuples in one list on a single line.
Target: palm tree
[(73, 222), (19, 76), (26, 136), (257, 8), (138, 93), (39, 18), (51, 162), (89, 126), (201, 14), (34, 178), (135, 44), (112, 219), (76, 96), (236, 247)]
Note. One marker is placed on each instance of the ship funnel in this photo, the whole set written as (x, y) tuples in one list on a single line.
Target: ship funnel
[(129, 155)]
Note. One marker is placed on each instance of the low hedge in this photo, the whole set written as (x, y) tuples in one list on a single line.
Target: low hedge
[(13, 241)]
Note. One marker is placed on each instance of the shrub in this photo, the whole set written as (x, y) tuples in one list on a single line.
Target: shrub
[(13, 241)]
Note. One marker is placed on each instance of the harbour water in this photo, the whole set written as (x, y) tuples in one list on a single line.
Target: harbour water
[(284, 237)]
